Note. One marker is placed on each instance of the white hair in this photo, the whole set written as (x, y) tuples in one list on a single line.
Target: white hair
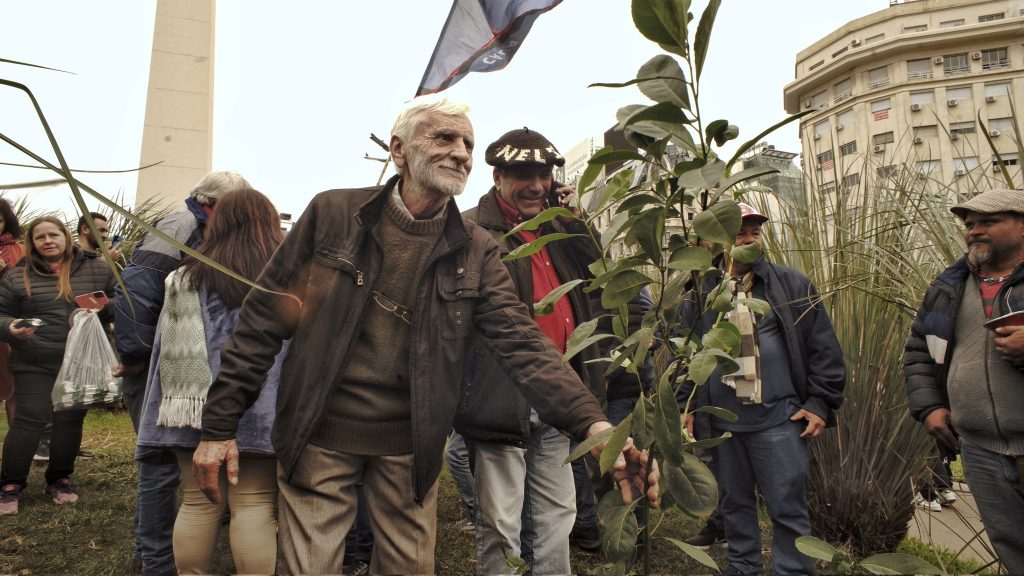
[(216, 184), (405, 124)]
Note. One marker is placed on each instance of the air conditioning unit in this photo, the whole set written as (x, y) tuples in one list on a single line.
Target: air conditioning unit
[(855, 42), (952, 102), (918, 140), (975, 55), (990, 99), (961, 172), (878, 148), (937, 60), (915, 107), (817, 136), (839, 127), (994, 133), (954, 135), (807, 103)]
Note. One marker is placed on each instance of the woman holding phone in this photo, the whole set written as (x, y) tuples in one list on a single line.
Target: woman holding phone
[(37, 298), (201, 307)]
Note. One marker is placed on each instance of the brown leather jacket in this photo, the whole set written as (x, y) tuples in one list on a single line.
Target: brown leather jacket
[(331, 260)]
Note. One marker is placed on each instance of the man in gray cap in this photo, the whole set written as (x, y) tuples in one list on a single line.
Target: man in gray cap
[(517, 459), (963, 376)]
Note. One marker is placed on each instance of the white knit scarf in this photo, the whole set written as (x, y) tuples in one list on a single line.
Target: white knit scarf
[(185, 376)]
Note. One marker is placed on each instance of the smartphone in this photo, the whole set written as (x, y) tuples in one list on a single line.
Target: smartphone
[(29, 323), (1011, 319), (115, 241), (554, 200), (93, 300)]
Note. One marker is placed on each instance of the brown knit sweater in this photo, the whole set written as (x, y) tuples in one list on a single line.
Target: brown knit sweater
[(369, 412)]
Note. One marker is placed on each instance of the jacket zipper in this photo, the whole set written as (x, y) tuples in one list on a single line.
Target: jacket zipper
[(359, 273)]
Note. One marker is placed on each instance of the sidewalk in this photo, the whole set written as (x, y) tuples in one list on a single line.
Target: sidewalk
[(955, 528)]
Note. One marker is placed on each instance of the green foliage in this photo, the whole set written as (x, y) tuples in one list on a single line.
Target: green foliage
[(840, 561)]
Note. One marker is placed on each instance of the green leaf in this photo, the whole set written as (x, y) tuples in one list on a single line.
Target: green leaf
[(607, 156), (746, 254), (708, 176), (661, 79), (535, 222), (622, 288), (702, 366), (719, 223), (722, 297), (816, 548), (614, 228), (896, 563), (649, 230), (614, 447), (695, 553), (535, 246), (547, 303), (589, 444), (692, 485), (760, 137), (583, 331), (718, 412), (690, 258), (663, 112), (713, 128), (710, 442), (667, 425), (591, 173), (724, 336), (756, 305), (643, 423), (744, 175), (638, 202), (575, 348), (618, 538), (703, 37), (664, 22)]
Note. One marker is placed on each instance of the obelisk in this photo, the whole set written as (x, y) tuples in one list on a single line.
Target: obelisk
[(178, 128)]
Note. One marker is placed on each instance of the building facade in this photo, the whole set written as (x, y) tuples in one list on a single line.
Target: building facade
[(929, 86)]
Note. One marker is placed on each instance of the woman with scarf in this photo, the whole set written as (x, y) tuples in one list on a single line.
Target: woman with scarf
[(200, 311), (43, 287), (10, 254)]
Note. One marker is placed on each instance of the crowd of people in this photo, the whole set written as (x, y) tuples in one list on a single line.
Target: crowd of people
[(389, 335)]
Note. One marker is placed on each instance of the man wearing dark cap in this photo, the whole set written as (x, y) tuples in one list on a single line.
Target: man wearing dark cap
[(964, 379), (525, 495), (789, 384)]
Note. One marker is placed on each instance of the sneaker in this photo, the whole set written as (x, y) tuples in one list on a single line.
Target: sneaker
[(42, 454), (932, 505), (86, 455), (10, 498), (707, 537), (62, 492), (586, 538), (357, 568), (947, 497), (464, 525)]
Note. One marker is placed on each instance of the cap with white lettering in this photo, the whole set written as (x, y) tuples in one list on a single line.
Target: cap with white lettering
[(523, 146)]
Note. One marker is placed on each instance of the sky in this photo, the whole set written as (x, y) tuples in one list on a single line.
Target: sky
[(299, 86)]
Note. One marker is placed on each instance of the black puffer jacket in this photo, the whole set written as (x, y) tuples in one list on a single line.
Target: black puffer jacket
[(44, 351)]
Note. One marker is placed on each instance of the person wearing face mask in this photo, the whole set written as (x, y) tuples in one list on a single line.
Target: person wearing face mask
[(43, 287), (525, 497)]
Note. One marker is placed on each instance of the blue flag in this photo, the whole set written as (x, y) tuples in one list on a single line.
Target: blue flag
[(479, 36)]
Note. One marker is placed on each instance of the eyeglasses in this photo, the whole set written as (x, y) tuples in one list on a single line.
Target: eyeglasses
[(403, 313)]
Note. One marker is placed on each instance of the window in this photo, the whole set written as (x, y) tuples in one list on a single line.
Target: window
[(927, 167), (828, 188), (1001, 124), (817, 64), (953, 64), (1004, 160), (875, 38), (965, 164), (851, 180), (878, 77), (926, 132), (843, 90), (990, 17), (951, 23), (883, 138), (996, 58), (824, 157), (880, 108), (840, 51), (821, 128), (890, 171), (924, 97), (819, 100), (848, 148), (998, 90), (958, 93), (917, 69), (844, 118), (917, 28), (962, 128)]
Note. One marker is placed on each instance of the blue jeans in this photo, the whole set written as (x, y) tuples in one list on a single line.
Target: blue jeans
[(457, 456), (156, 506), (525, 502), (775, 460), (995, 481)]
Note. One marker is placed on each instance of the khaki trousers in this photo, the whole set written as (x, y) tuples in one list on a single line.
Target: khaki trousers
[(317, 508)]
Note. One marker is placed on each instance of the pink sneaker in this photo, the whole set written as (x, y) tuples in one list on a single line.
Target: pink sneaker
[(62, 492), (10, 499)]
